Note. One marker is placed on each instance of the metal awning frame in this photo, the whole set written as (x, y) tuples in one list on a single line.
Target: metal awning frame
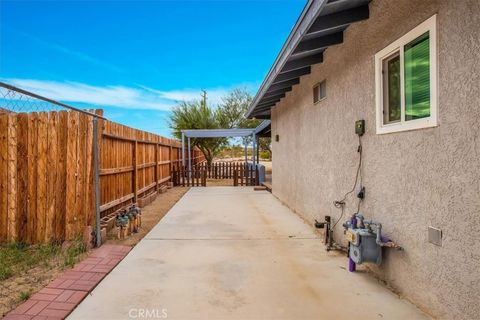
[(223, 133)]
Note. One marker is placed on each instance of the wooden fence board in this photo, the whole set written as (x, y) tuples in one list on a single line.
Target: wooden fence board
[(81, 187), (89, 179), (41, 175), (3, 177), (12, 178), (31, 236), (61, 186), (71, 174), (22, 174), (52, 165)]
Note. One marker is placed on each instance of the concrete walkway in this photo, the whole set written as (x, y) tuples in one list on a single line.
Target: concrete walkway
[(235, 253)]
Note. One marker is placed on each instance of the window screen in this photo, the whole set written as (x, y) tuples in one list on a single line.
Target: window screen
[(417, 78)]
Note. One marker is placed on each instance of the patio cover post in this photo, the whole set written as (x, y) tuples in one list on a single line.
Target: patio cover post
[(258, 150), (246, 152), (253, 148), (189, 158), (183, 149)]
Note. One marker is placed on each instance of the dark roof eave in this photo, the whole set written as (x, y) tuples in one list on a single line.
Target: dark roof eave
[(309, 14), (320, 26)]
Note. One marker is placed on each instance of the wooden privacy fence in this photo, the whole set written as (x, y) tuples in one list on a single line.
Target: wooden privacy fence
[(46, 172), (46, 175), (134, 163)]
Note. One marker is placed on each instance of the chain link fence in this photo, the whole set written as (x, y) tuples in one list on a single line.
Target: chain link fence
[(49, 168)]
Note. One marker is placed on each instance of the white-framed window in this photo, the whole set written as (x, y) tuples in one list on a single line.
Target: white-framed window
[(406, 81), (319, 91)]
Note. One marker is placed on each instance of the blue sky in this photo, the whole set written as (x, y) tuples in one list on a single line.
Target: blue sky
[(136, 59)]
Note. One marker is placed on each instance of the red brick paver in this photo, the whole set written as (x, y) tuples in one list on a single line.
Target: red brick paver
[(64, 293)]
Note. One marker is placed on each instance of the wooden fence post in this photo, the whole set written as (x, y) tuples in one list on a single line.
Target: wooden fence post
[(204, 178), (156, 166), (134, 182), (170, 158)]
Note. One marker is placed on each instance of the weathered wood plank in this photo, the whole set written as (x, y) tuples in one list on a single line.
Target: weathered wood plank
[(52, 164), (89, 205), (61, 185), (41, 175), (71, 175), (3, 177), (109, 171), (22, 175), (116, 202), (81, 187), (32, 177), (135, 172), (12, 178)]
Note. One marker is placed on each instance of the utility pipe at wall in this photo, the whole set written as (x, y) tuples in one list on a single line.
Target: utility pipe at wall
[(352, 266)]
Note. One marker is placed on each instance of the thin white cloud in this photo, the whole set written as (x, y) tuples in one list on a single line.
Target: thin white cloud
[(75, 54), (141, 97), (115, 96), (214, 95)]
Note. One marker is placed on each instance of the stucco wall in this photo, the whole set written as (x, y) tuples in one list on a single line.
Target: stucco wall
[(413, 179)]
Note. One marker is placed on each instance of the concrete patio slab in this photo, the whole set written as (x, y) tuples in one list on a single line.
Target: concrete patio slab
[(235, 253)]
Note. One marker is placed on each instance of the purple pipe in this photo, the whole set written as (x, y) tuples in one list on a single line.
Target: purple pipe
[(352, 266)]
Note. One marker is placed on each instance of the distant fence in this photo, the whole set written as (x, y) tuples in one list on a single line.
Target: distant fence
[(241, 173), (47, 167), (246, 176), (196, 177), (222, 170)]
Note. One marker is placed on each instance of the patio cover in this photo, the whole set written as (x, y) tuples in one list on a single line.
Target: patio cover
[(223, 133)]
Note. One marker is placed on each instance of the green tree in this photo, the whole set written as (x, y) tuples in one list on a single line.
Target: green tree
[(198, 115), (264, 144), (232, 109)]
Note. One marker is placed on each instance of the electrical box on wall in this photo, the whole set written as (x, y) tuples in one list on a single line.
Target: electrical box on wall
[(277, 138), (360, 127)]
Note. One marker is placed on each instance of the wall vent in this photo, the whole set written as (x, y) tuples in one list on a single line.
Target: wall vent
[(435, 236)]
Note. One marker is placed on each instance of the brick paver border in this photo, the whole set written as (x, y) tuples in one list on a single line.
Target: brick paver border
[(58, 299)]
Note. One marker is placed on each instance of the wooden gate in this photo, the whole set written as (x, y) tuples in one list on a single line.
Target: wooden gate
[(246, 176), (241, 173), (197, 177)]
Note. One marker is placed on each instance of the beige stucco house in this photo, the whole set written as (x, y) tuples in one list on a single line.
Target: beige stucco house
[(411, 70)]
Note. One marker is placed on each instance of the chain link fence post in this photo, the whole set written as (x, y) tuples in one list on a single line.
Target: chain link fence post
[(49, 172)]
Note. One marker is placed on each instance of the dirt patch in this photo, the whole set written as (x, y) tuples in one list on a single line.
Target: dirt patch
[(219, 182), (25, 270), (151, 215)]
